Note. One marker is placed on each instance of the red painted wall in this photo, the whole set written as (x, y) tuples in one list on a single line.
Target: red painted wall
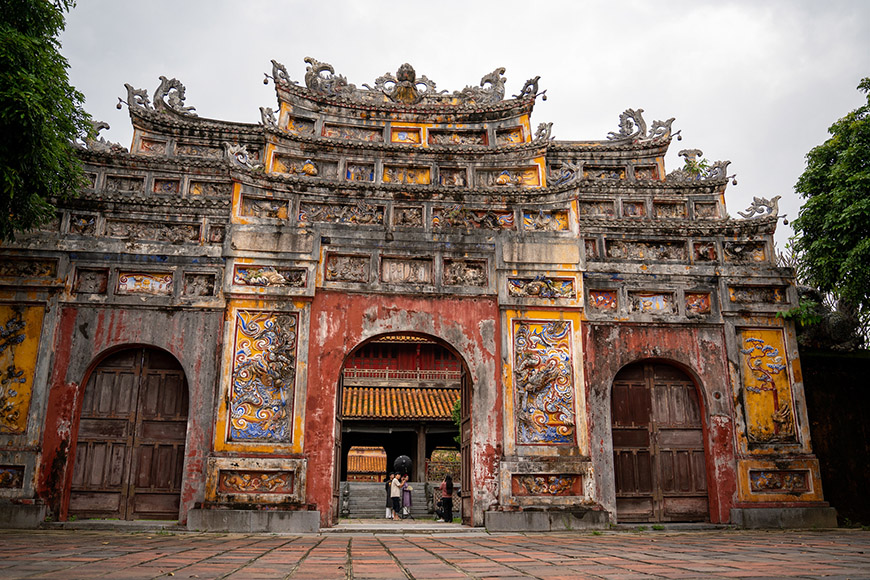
[(698, 350), (340, 322)]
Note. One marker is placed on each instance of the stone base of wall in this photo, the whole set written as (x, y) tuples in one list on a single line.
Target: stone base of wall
[(790, 517), (545, 521), (207, 520), (22, 516)]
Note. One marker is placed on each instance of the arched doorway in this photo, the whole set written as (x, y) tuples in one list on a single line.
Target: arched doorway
[(129, 453), (658, 445), (397, 394)]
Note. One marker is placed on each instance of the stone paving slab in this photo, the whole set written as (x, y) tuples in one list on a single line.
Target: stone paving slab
[(616, 555)]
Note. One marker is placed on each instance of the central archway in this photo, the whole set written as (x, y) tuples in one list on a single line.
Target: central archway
[(397, 394)]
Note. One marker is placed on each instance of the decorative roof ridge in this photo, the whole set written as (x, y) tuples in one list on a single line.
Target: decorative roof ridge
[(138, 159), (156, 199), (430, 149), (720, 225), (565, 146), (173, 120)]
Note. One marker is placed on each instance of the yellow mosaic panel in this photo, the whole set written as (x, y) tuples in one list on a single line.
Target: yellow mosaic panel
[(20, 330), (766, 386)]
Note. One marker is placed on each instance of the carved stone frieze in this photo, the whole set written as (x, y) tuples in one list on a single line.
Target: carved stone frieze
[(152, 147), (590, 245), (452, 176), (510, 136), (11, 476), (541, 287), (124, 183), (704, 251), (300, 126), (779, 481), (665, 210), (566, 172), (368, 134), (744, 252), (757, 294), (347, 268), (12, 268), (706, 210), (697, 303), (547, 485), (465, 273), (407, 175), (210, 188), (459, 217), (645, 250), (168, 186), (216, 234), (245, 482), (162, 232), (596, 208), (359, 172), (603, 173), (519, 177), (305, 167), (268, 276), (443, 137), (199, 150), (633, 209), (358, 213)]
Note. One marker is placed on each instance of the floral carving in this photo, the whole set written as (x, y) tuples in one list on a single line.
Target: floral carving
[(163, 232), (464, 273), (458, 217), (779, 481), (768, 401), (341, 268), (603, 299), (744, 252), (395, 270), (359, 213)]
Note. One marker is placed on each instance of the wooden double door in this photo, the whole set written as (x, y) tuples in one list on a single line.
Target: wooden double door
[(658, 446), (129, 454)]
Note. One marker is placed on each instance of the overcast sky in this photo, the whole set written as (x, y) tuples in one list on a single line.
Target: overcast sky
[(756, 82)]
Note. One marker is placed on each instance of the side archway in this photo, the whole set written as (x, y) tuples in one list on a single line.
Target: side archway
[(658, 445), (129, 451)]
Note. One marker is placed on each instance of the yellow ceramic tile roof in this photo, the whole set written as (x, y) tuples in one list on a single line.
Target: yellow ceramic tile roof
[(367, 460), (397, 403)]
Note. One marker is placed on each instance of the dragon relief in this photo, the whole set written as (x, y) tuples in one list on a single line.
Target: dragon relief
[(320, 77)]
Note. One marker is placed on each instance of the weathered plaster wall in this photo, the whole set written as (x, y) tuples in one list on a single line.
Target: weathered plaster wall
[(698, 350), (83, 336), (340, 322)]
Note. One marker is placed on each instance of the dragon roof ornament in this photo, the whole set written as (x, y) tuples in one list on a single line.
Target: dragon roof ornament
[(94, 142), (763, 207), (169, 96), (403, 87), (633, 127), (699, 170)]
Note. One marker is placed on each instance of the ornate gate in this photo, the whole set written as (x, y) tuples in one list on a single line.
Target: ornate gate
[(130, 450), (658, 446)]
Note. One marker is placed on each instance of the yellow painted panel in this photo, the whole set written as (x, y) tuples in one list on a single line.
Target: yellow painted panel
[(19, 345), (766, 386), (783, 480)]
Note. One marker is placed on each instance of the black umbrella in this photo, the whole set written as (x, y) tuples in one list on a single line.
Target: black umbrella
[(402, 465)]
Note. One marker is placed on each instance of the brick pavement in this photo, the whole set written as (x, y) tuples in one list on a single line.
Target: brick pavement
[(620, 555)]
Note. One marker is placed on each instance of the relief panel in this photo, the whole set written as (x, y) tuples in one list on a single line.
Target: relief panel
[(358, 213), (547, 485), (779, 481), (168, 186), (359, 172), (269, 276), (263, 379), (706, 210), (633, 209), (195, 150), (744, 252), (20, 331), (519, 176), (757, 294), (353, 133), (541, 287), (697, 303), (603, 299), (300, 126), (408, 217), (452, 176), (28, 268), (603, 173), (152, 147), (161, 232), (441, 137), (235, 481), (458, 217), (216, 234), (286, 165), (91, 281), (196, 284), (347, 268), (209, 188), (124, 183), (590, 245), (546, 221), (407, 135), (543, 382), (11, 476), (645, 250), (150, 283), (704, 251), (595, 208), (264, 207), (82, 224), (663, 210), (404, 271), (652, 302), (465, 273), (410, 175), (510, 136), (646, 173), (766, 385)]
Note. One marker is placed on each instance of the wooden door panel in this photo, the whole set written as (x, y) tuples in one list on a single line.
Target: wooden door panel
[(658, 446), (130, 449)]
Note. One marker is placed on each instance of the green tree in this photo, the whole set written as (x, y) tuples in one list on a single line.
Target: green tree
[(832, 231), (41, 115)]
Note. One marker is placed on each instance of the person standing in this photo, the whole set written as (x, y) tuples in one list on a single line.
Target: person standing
[(406, 497), (387, 481), (396, 497), (447, 499)]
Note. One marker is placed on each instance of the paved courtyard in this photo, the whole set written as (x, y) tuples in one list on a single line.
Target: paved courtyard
[(78, 554)]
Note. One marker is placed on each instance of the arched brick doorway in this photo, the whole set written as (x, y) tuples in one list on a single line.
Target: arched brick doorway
[(129, 453), (658, 445)]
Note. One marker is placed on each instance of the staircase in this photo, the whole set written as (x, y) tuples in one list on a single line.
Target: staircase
[(363, 500)]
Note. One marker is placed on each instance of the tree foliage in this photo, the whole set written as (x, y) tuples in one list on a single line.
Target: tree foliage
[(41, 115), (833, 228)]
